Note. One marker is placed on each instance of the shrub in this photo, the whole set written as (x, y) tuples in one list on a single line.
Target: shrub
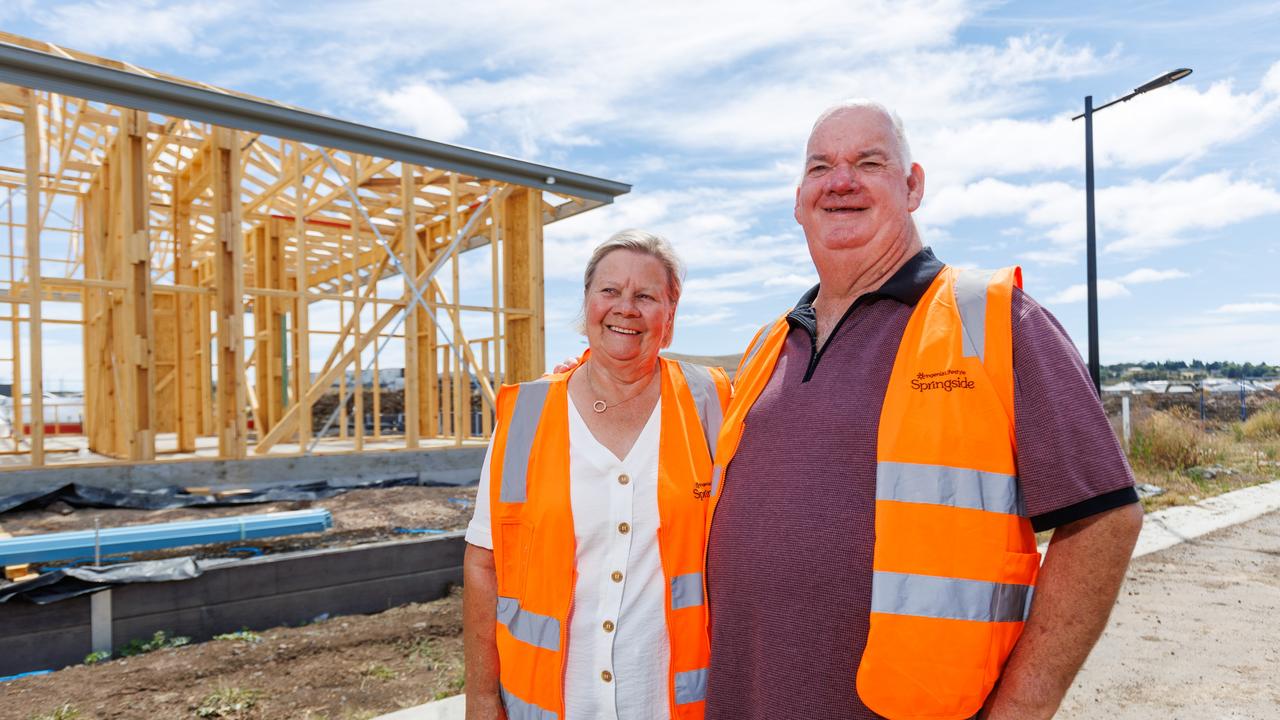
[(1169, 441), (1264, 424), (158, 641), (96, 657)]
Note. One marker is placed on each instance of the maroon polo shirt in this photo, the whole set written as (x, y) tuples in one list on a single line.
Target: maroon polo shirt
[(789, 556)]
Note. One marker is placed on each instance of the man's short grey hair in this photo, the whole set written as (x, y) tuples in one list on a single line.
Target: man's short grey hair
[(868, 104), (647, 243)]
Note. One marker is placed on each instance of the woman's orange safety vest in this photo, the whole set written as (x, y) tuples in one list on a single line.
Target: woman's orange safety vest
[(534, 546), (955, 558)]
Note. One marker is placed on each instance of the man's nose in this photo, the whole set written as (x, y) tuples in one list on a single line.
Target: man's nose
[(842, 179)]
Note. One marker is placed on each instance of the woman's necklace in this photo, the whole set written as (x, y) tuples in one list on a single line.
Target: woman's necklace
[(600, 405)]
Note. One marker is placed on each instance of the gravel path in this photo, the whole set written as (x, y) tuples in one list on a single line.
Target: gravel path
[(1195, 635)]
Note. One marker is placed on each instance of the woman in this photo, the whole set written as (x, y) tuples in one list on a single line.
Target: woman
[(583, 593)]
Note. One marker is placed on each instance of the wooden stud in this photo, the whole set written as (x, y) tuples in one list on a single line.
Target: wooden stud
[(229, 280), (32, 151), (409, 246)]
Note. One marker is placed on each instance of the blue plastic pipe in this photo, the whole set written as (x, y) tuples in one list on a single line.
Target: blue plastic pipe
[(80, 544)]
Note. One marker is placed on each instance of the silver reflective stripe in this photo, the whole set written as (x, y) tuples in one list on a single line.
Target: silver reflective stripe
[(950, 486), (524, 424), (755, 346), (518, 709), (717, 472), (691, 686), (951, 598), (686, 591), (705, 398), (971, 301), (538, 630)]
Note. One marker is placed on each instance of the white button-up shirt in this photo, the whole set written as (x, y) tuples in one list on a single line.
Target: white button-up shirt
[(618, 656)]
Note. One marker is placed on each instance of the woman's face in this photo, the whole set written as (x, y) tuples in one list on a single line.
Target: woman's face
[(628, 312)]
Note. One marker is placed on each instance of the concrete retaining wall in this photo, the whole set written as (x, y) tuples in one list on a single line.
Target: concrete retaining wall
[(452, 466), (258, 593)]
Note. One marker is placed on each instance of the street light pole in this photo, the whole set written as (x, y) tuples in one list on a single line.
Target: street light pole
[(1091, 237), (1091, 248)]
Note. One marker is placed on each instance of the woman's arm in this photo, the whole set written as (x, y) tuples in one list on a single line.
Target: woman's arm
[(479, 611)]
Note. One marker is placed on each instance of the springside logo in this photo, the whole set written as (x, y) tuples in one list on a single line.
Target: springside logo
[(946, 380)]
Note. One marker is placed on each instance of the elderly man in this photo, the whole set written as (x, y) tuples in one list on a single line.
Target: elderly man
[(893, 442)]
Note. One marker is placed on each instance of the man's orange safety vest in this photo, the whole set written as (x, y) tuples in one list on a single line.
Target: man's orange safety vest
[(955, 558), (534, 546)]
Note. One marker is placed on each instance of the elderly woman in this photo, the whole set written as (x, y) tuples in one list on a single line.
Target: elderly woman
[(583, 592)]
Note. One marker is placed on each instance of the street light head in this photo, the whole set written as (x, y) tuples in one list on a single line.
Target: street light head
[(1165, 79)]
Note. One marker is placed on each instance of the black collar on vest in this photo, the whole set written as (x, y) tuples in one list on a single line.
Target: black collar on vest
[(907, 286)]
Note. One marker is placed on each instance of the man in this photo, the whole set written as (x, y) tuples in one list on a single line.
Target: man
[(892, 442)]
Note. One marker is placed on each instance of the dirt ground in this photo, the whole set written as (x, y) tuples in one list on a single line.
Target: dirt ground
[(348, 668), (343, 667), (1194, 634)]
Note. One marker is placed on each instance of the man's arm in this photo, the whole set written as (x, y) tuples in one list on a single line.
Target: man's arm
[(479, 614), (1083, 568)]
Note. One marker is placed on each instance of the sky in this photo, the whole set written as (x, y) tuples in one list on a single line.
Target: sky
[(705, 107)]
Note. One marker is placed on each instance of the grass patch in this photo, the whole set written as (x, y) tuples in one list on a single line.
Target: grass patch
[(1193, 461), (1263, 425), (63, 712), (159, 641), (1170, 440), (228, 702), (243, 635), (96, 657)]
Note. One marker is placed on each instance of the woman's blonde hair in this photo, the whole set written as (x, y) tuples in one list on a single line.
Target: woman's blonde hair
[(646, 243)]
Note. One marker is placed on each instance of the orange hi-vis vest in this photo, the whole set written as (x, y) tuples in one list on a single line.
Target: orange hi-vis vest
[(955, 558), (534, 545)]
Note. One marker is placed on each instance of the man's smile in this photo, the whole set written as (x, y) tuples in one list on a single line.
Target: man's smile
[(622, 330)]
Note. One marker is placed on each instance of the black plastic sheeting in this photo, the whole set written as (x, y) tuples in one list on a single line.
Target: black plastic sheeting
[(73, 582), (88, 496)]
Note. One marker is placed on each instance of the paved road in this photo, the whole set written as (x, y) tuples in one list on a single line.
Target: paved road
[(1195, 635)]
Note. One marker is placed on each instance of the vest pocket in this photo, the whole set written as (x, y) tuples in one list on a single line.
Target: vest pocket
[(515, 540)]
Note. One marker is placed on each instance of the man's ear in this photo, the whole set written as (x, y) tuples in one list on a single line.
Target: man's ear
[(915, 187)]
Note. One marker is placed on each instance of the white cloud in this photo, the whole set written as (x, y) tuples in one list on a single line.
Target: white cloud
[(1245, 308), (1176, 124), (1142, 215), (1107, 290), (1149, 275), (145, 27), (1214, 338), (424, 111)]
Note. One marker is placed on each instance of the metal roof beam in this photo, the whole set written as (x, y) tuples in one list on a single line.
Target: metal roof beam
[(42, 71)]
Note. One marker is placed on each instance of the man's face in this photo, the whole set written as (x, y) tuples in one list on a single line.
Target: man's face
[(855, 191)]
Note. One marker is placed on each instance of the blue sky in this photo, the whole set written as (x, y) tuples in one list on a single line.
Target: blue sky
[(704, 108)]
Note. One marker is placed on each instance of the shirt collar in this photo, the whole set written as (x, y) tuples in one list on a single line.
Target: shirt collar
[(907, 285)]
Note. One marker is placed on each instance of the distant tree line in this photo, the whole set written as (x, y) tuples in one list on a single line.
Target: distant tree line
[(1182, 370)]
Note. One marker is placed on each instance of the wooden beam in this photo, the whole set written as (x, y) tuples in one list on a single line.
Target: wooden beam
[(229, 281), (301, 317), (138, 295), (32, 153), (523, 285), (408, 229), (189, 320)]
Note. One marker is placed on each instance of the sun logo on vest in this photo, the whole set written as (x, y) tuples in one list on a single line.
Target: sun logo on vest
[(701, 490), (945, 380)]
